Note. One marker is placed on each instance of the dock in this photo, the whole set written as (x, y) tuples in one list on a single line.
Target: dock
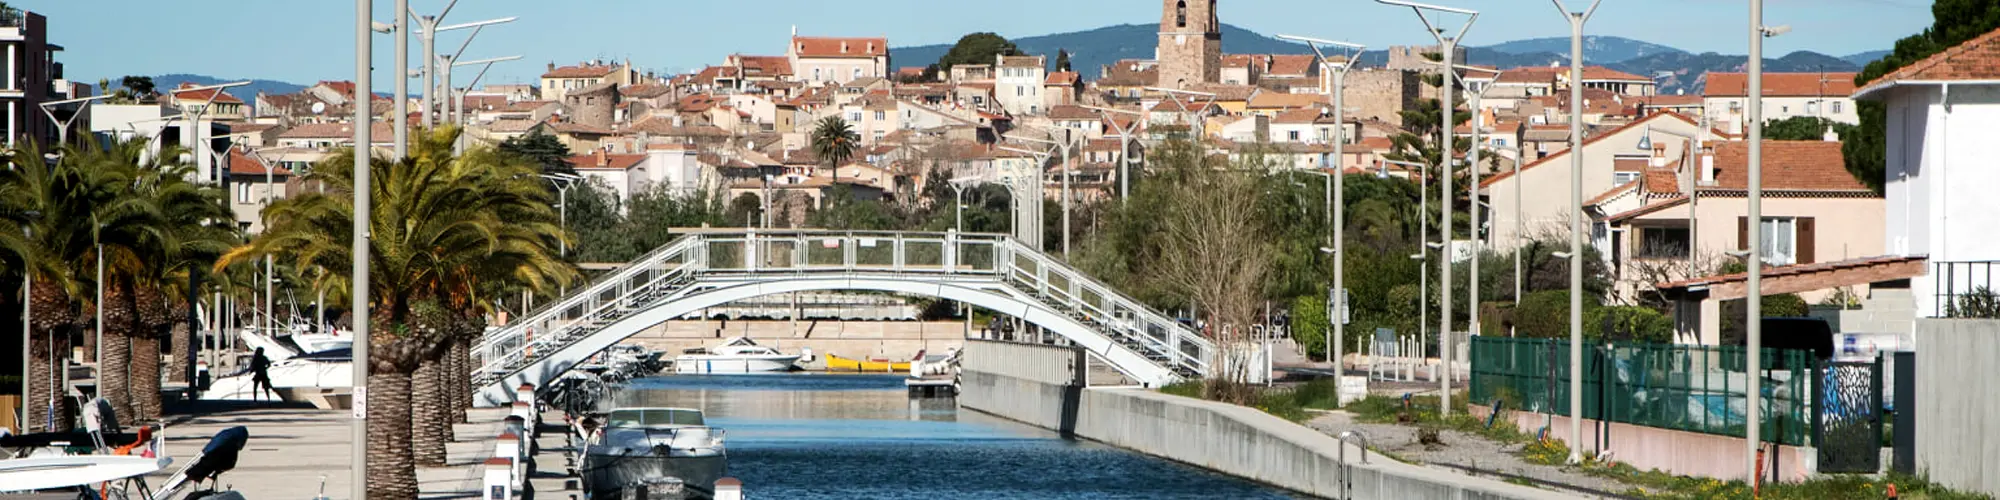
[(296, 451), (934, 386)]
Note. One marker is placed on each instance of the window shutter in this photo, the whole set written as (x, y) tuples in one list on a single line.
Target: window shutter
[(1805, 241), (1742, 233)]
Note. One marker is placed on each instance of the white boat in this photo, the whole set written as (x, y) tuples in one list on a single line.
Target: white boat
[(663, 451), (321, 378), (738, 355)]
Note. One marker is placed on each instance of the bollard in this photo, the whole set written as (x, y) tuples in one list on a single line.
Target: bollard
[(508, 446), (515, 425), (499, 484), (526, 392), (528, 417), (728, 488)]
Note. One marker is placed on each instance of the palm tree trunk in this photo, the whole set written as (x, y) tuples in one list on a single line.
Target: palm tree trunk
[(47, 346), (146, 375), (392, 474), (427, 414), (114, 372), (461, 378), (181, 339)]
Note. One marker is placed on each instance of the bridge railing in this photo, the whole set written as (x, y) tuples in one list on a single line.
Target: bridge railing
[(669, 270)]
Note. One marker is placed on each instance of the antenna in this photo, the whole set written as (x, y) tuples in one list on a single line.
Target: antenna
[(319, 108)]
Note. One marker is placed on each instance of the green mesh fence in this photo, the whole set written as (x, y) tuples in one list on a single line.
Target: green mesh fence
[(1688, 388)]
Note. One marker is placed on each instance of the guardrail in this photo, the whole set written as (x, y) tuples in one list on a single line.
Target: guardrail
[(986, 260)]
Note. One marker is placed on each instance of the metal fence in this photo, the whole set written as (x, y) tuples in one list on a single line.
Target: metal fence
[(1689, 388), (1965, 289)]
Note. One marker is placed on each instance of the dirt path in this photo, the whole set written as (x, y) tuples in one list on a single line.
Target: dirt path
[(1460, 449)]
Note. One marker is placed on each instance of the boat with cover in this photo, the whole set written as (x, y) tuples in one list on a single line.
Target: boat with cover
[(665, 451), (738, 355)]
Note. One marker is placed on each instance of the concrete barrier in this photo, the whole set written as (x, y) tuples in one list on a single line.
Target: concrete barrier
[(1230, 439), (1679, 452), (1958, 435)]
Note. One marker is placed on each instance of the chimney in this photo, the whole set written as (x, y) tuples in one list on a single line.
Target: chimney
[(1659, 155), (602, 160), (1708, 168), (552, 66)]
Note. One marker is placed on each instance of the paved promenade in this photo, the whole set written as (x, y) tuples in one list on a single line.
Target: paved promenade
[(292, 448)]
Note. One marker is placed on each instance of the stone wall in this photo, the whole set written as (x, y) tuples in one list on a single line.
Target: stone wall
[(1381, 94), (1958, 403)]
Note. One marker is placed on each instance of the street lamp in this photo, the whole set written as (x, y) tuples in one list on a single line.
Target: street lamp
[(1449, 46), (1032, 207), (563, 183), (1472, 165), (1064, 145), (958, 187), (1423, 252), (194, 123), (363, 88), (1753, 314), (1125, 138), (1576, 20), (1519, 237), (446, 86), (1194, 116), (457, 97), (62, 126), (27, 317), (1337, 192)]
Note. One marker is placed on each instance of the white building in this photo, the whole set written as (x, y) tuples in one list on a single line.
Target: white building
[(673, 167), (1943, 165), (1786, 95), (822, 60), (1018, 85)]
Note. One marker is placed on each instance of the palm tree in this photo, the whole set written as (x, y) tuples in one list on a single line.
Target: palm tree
[(441, 226), (834, 141), (46, 231)]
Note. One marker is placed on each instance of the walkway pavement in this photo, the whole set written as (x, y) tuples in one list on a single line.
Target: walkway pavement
[(298, 451)]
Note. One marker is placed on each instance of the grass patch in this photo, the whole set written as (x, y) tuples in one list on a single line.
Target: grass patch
[(1423, 412), (1288, 402)]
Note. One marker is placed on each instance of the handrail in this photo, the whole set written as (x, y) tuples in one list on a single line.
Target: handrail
[(1028, 273)]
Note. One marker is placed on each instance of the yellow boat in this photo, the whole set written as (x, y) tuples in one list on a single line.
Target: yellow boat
[(840, 364)]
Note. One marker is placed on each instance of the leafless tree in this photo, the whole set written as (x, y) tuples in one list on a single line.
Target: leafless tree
[(1214, 255)]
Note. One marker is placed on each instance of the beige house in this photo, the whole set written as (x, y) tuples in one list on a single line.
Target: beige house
[(824, 60), (1545, 182), (1691, 211), (558, 82), (223, 106), (1019, 83), (1786, 95)]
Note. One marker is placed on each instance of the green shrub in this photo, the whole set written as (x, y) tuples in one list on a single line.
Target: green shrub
[(1637, 323), (1545, 314)]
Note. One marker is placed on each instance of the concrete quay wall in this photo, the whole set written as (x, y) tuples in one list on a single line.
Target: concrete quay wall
[(1226, 438)]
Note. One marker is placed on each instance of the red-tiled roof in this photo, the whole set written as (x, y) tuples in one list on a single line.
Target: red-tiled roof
[(203, 95), (1783, 84), (1285, 101), (1976, 59), (1244, 60), (1788, 166), (766, 65), (581, 71), (1662, 181), (1066, 112), (1291, 64), (241, 163), (829, 47), (1781, 271), (1061, 78), (1586, 143), (1613, 193), (605, 161)]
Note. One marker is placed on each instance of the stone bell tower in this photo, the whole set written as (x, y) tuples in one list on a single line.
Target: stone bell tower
[(1190, 49)]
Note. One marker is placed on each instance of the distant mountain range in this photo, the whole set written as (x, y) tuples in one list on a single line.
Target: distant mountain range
[(1677, 71), (248, 93)]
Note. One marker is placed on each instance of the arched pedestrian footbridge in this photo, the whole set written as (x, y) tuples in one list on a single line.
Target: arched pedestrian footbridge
[(708, 269)]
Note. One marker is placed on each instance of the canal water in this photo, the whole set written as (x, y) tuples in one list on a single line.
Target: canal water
[(860, 436)]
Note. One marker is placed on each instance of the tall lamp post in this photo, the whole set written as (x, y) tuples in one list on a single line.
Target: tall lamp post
[(27, 323), (1337, 212), (62, 125), (1449, 46), (1194, 117), (1032, 206), (1576, 20), (1064, 146), (563, 183), (1754, 312), (363, 88), (1472, 166), (1126, 160), (1519, 236), (1423, 254)]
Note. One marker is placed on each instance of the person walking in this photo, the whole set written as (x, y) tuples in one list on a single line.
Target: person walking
[(260, 376)]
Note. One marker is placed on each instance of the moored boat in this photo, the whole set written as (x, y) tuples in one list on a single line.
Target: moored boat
[(671, 449), (738, 355), (840, 364)]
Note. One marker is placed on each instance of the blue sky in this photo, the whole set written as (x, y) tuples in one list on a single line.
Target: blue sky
[(302, 41)]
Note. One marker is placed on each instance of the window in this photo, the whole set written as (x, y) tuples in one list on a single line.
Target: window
[(881, 115), (1734, 107), (1778, 242), (1023, 92), (816, 74), (1293, 135), (857, 73), (1781, 109), (1663, 242), (1812, 108), (1180, 19), (243, 193), (1620, 178), (854, 117), (1836, 107)]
